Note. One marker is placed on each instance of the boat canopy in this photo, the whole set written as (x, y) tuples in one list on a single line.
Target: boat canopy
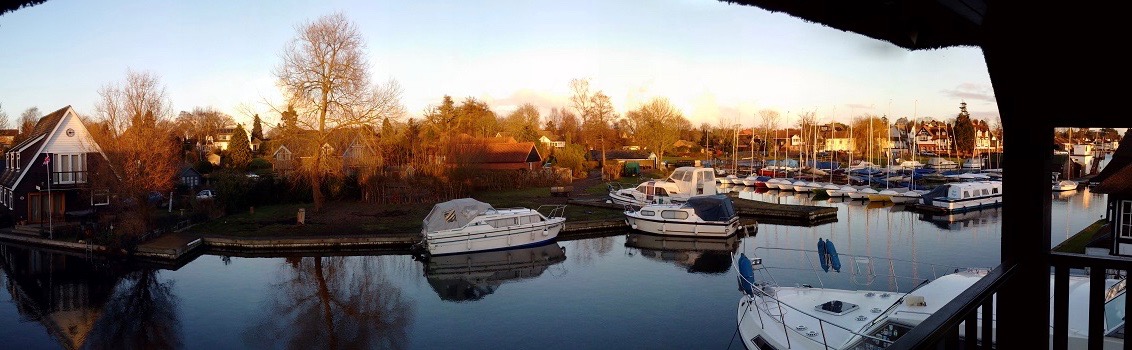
[(454, 214), (712, 208)]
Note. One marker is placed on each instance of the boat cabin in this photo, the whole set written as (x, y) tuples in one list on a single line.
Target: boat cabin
[(691, 180)]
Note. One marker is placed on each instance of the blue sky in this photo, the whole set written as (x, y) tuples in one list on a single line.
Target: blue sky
[(713, 60)]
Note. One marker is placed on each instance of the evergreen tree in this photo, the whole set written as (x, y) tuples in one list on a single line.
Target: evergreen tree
[(964, 132), (239, 150), (257, 129)]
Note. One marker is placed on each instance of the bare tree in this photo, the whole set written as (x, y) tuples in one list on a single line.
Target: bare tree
[(4, 122), (656, 124), (28, 118), (135, 133), (325, 76), (770, 119)]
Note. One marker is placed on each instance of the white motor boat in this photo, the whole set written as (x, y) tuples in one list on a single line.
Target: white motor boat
[(959, 196), (778, 183), (800, 186), (811, 317), (887, 194), (466, 225), (700, 216), (730, 180), (684, 182)]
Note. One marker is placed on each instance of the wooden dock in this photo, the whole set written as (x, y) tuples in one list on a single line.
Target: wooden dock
[(767, 213)]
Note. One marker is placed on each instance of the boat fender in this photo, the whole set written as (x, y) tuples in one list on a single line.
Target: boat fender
[(746, 275), (545, 232)]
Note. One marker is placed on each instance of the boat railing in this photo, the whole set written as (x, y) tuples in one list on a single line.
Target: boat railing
[(862, 266), (554, 210)]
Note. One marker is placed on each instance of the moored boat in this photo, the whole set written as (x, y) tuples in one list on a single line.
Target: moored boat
[(466, 225), (701, 216), (683, 183), (961, 196)]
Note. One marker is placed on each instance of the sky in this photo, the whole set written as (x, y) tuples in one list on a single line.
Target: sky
[(715, 61)]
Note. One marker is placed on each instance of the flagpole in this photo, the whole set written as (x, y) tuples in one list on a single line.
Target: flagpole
[(50, 205)]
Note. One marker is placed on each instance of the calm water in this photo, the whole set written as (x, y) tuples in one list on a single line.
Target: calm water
[(623, 291)]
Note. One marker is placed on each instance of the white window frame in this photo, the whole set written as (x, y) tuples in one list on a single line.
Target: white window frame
[(102, 195), (1124, 219)]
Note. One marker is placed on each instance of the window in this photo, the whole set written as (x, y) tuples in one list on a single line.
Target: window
[(994, 190), (674, 214), (985, 192), (1124, 215), (648, 213), (966, 194), (17, 165), (661, 192), (100, 197), (69, 168)]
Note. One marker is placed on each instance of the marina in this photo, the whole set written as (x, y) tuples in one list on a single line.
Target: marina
[(614, 277)]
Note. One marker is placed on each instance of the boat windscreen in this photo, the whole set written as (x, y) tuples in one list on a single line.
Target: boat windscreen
[(712, 208), (454, 214)]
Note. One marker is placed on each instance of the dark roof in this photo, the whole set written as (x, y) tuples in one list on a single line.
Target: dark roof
[(520, 152), (1116, 177), (910, 24), (42, 127)]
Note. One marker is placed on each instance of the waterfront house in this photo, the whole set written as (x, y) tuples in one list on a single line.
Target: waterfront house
[(1116, 181), (1014, 37), (46, 174)]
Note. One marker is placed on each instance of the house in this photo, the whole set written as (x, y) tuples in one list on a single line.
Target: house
[(933, 136), (1116, 181), (220, 141), (7, 136), (836, 137), (499, 156), (46, 175), (189, 178), (551, 141), (283, 160), (646, 159)]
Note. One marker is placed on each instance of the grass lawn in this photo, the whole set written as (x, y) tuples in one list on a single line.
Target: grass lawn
[(1076, 244), (345, 218)]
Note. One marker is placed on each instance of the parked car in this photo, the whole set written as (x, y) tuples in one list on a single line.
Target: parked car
[(206, 194), (156, 198)]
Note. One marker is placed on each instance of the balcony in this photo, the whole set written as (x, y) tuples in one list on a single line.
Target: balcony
[(63, 178)]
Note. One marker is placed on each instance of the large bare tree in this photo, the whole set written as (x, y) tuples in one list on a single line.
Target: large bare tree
[(656, 124), (326, 80), (135, 132), (4, 122)]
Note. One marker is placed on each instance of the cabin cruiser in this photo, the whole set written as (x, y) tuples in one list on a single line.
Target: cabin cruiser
[(960, 196), (699, 216), (770, 316), (683, 183), (973, 163), (466, 225), (1065, 185), (941, 163)]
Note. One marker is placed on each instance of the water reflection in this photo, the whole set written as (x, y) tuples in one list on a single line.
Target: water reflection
[(470, 277), (92, 305), (959, 221), (697, 255), (333, 302), (142, 314)]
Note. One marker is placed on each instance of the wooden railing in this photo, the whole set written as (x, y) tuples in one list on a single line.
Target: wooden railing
[(942, 328)]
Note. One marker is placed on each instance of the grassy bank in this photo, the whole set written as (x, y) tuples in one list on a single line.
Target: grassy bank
[(345, 218), (1077, 243)]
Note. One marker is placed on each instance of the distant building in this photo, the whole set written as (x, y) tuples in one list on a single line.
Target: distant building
[(1116, 181), (7, 136)]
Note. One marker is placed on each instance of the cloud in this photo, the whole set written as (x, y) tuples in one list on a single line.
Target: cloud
[(541, 99), (972, 92)]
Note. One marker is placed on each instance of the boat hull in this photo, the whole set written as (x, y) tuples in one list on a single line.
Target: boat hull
[(479, 238), (682, 228)]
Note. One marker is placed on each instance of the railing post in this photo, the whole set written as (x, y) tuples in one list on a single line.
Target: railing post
[(1096, 306), (1061, 307)]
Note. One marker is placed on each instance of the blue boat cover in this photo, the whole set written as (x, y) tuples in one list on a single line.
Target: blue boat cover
[(712, 208)]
